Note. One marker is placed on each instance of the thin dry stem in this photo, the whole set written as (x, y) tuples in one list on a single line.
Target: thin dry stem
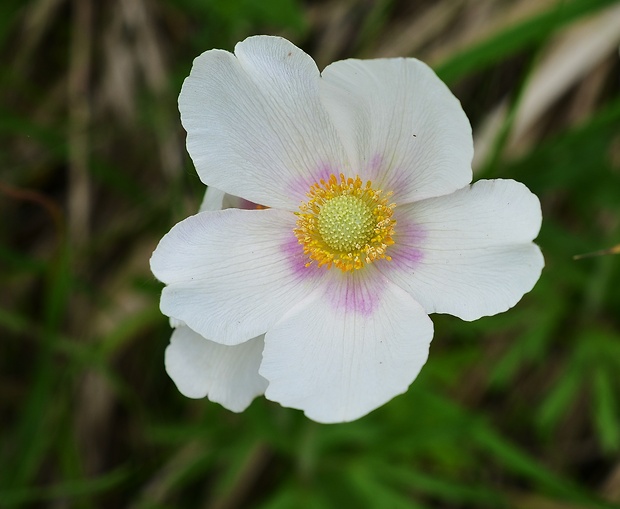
[(79, 118)]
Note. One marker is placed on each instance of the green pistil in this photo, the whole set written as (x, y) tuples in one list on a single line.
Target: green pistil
[(346, 223)]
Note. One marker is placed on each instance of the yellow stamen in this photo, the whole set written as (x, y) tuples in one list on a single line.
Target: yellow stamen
[(345, 224)]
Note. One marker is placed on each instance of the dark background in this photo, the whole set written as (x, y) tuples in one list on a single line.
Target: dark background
[(517, 410)]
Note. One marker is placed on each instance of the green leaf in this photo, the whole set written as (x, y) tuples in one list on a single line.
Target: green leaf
[(515, 460), (445, 489), (517, 37), (559, 398), (376, 492), (606, 410), (67, 490)]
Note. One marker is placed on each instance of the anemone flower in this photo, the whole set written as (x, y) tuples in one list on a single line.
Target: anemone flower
[(320, 296)]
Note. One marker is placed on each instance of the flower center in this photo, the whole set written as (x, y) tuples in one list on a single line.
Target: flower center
[(345, 223)]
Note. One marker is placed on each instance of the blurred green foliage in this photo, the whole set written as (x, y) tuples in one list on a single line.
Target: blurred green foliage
[(516, 410)]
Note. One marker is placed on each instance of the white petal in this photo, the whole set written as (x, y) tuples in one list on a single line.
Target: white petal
[(213, 199), (401, 126), (227, 375), (255, 124), (468, 254), (174, 322), (216, 199), (347, 349), (231, 274)]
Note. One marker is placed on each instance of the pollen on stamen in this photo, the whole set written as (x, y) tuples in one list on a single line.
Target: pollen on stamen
[(345, 223)]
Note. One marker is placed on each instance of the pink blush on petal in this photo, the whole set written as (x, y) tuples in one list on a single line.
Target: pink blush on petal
[(301, 186), (297, 260), (347, 292), (407, 251), (351, 293), (247, 205), (372, 169)]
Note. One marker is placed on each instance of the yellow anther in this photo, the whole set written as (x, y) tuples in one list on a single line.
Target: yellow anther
[(345, 224)]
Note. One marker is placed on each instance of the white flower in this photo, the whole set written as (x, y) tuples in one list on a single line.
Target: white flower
[(322, 299)]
